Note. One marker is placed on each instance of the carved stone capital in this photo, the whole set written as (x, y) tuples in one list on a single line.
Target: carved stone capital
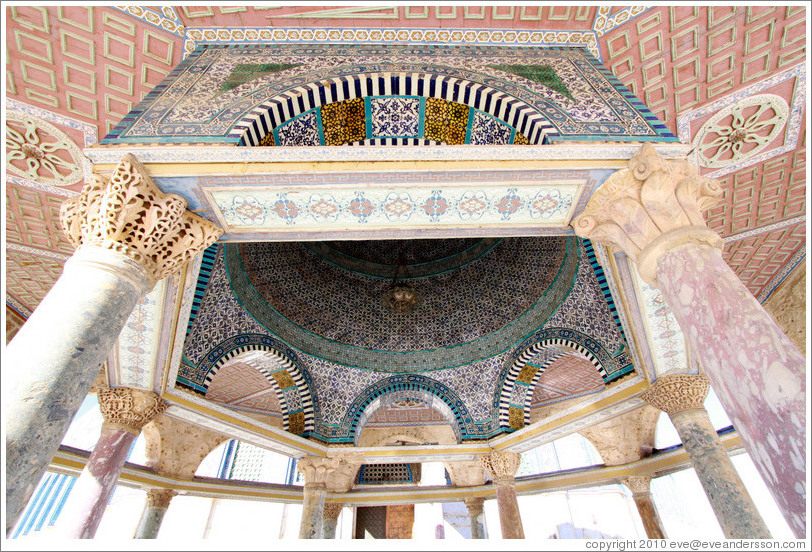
[(160, 498), (637, 484), (129, 214), (332, 509), (675, 393), (501, 464), (317, 470), (130, 409), (650, 208), (475, 505)]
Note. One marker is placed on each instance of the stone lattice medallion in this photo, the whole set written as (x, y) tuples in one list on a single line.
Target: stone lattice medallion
[(741, 130), (38, 151)]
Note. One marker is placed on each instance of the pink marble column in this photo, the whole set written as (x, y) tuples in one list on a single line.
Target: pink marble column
[(756, 371), (125, 412), (653, 212), (502, 466)]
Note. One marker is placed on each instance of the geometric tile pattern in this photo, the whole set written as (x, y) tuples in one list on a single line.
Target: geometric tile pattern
[(760, 195), (30, 277), (567, 376), (666, 52), (191, 107), (32, 218), (90, 63), (757, 259)]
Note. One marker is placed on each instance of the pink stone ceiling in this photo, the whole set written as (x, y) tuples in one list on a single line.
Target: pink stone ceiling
[(239, 385), (568, 376)]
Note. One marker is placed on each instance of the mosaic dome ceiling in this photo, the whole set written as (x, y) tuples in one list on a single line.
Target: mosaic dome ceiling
[(309, 317), (477, 300)]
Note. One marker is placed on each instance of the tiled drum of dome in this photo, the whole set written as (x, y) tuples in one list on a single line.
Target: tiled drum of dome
[(446, 121), (343, 122), (488, 130), (395, 117), (301, 131)]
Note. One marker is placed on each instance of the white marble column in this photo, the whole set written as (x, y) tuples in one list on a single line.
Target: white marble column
[(476, 509), (502, 466), (652, 212), (129, 235), (153, 515), (681, 396)]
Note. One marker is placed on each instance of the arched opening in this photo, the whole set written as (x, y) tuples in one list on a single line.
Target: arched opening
[(267, 370), (392, 109), (407, 417), (575, 371)]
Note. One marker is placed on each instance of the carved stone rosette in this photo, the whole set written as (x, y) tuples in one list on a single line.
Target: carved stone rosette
[(129, 409), (650, 208), (675, 393), (129, 214), (501, 464), (160, 498)]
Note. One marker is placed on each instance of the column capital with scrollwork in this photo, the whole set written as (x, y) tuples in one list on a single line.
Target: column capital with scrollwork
[(650, 208)]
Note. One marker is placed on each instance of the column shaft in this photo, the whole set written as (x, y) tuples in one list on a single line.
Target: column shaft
[(510, 520), (329, 528), (735, 510), (88, 305), (475, 512), (756, 371), (648, 514), (313, 511), (95, 485), (153, 515), (150, 522)]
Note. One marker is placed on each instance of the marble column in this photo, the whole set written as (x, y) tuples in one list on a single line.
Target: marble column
[(476, 509), (502, 466), (331, 512), (153, 514), (681, 397), (125, 412), (640, 486), (316, 470), (652, 212), (128, 236)]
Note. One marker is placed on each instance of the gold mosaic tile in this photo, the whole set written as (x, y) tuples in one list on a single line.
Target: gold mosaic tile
[(516, 417), (283, 379), (344, 122), (296, 423), (446, 121), (521, 139)]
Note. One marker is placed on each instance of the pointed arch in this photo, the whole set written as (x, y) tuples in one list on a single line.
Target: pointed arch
[(408, 386), (521, 378), (275, 362)]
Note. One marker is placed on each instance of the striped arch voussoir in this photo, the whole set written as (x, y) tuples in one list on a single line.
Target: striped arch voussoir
[(505, 395), (298, 421), (270, 114)]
